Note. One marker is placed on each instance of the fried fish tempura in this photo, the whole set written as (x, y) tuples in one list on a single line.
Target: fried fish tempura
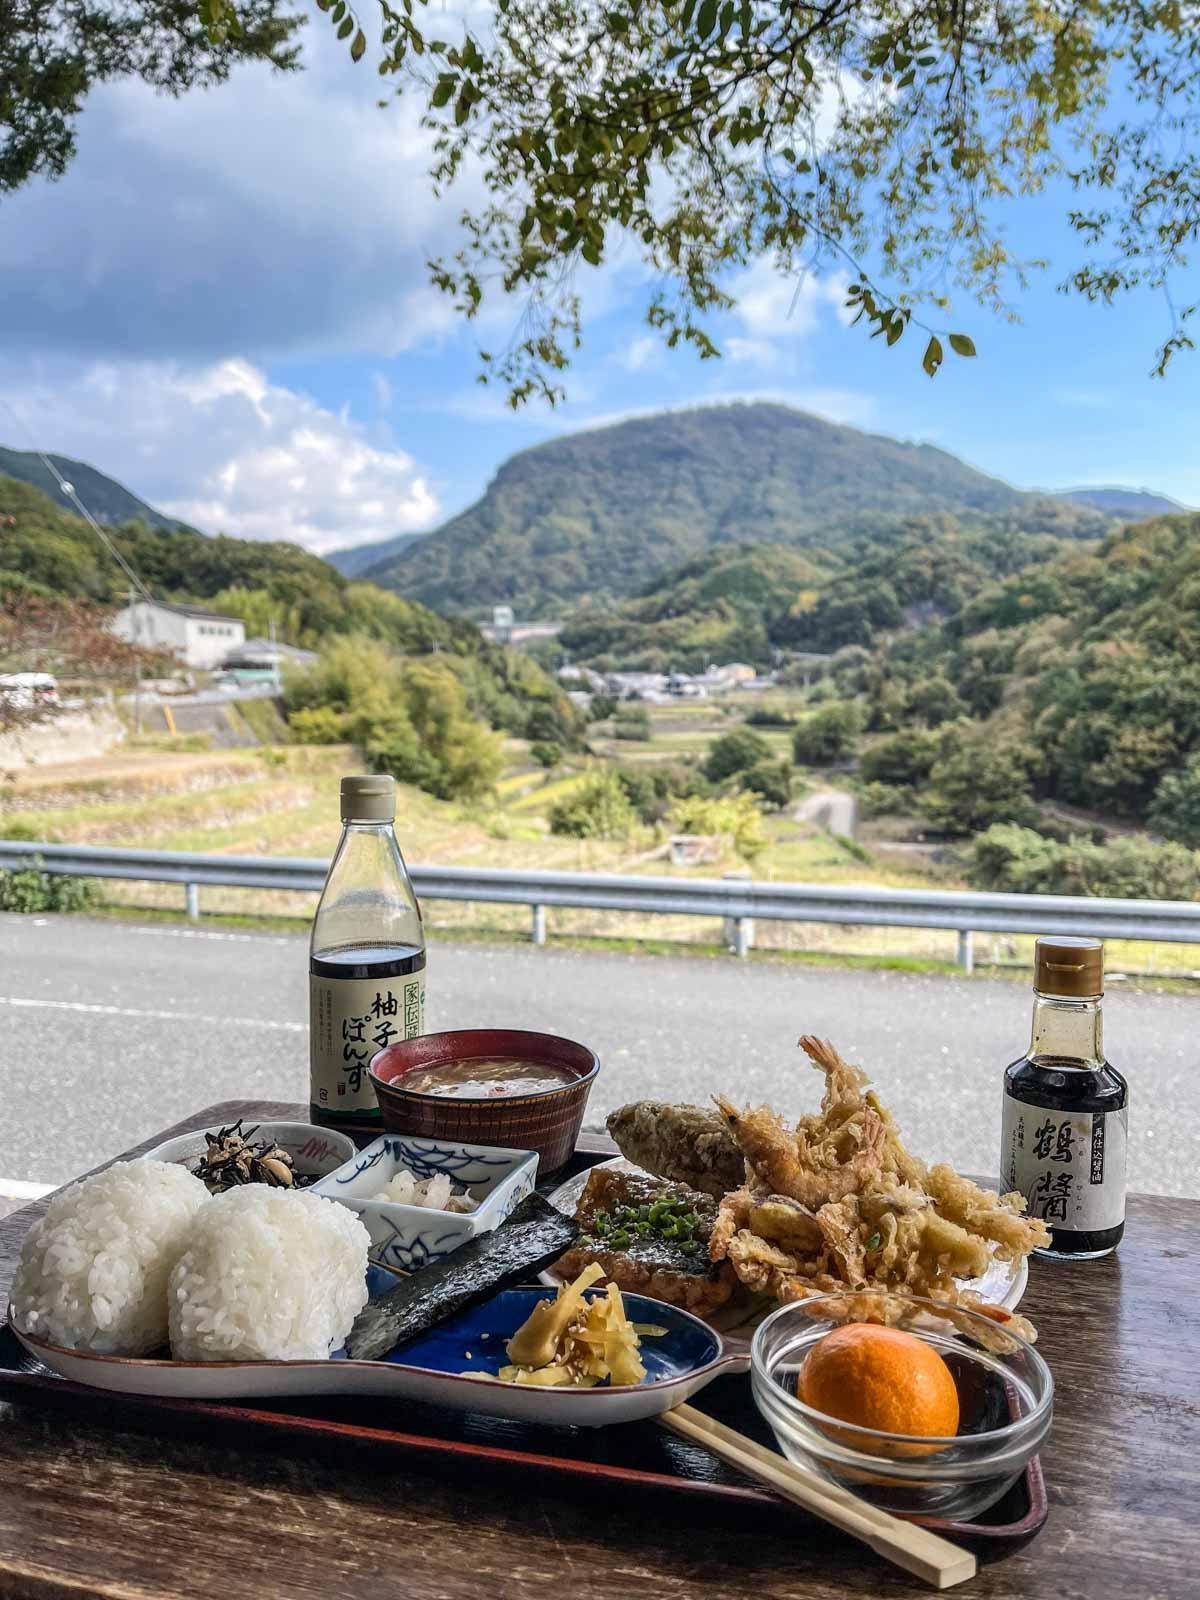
[(686, 1144), (839, 1203)]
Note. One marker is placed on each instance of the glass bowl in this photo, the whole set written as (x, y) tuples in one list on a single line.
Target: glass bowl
[(1006, 1401)]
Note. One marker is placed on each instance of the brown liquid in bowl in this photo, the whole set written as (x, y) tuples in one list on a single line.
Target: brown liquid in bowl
[(485, 1078)]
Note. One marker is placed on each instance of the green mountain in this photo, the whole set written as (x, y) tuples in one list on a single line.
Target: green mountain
[(1131, 505), (600, 514), (107, 500), (355, 559)]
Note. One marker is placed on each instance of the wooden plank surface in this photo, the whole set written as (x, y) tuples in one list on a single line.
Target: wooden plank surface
[(87, 1509)]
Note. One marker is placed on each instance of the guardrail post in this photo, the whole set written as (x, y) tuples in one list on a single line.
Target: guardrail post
[(539, 925), (966, 950), (743, 936), (193, 901)]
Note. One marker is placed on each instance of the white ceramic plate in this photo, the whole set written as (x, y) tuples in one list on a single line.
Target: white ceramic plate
[(997, 1286), (685, 1361)]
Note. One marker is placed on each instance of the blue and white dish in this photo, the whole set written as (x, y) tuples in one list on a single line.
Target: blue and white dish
[(408, 1238), (454, 1365)]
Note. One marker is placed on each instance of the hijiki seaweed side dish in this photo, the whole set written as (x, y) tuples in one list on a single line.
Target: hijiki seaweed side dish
[(233, 1158)]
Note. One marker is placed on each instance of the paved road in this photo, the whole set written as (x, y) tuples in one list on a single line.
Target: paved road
[(109, 1032)]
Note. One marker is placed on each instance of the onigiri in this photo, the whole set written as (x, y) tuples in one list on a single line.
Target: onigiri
[(93, 1271), (267, 1275)]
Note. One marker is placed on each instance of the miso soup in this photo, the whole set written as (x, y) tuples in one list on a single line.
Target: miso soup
[(485, 1078)]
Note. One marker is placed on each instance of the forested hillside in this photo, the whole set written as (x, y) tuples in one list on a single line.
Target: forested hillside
[(1079, 679), (416, 690), (749, 602), (600, 514)]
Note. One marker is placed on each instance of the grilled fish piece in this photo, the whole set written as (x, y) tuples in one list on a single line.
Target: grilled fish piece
[(677, 1270), (533, 1236), (684, 1143)]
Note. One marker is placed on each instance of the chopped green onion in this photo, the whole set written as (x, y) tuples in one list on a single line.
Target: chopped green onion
[(873, 1242)]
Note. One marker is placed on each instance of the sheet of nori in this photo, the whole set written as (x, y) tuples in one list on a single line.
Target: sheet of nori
[(533, 1236)]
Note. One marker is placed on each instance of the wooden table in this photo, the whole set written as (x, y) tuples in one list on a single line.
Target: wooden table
[(89, 1507)]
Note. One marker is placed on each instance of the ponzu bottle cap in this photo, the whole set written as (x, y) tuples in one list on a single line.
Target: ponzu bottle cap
[(1069, 967), (369, 798)]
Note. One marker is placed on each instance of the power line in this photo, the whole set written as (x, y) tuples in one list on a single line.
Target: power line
[(68, 489)]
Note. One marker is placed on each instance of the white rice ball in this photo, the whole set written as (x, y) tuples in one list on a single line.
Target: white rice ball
[(267, 1275), (93, 1271)]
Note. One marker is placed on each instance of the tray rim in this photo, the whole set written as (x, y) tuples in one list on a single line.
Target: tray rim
[(18, 1384)]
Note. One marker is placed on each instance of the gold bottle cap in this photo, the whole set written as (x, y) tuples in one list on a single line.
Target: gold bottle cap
[(370, 798), (1072, 968)]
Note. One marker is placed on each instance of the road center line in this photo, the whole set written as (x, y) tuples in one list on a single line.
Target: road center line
[(19, 1189), (159, 1016)]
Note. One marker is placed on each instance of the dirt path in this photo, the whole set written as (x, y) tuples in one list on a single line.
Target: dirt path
[(830, 808)]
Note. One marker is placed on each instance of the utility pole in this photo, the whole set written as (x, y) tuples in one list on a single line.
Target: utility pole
[(137, 668)]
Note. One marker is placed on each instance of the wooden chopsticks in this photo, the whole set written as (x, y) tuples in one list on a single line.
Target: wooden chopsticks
[(926, 1555)]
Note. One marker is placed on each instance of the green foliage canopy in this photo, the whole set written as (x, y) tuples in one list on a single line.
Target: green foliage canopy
[(884, 139), (54, 52)]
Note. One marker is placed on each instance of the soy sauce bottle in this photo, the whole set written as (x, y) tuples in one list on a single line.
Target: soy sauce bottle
[(366, 959), (1066, 1110)]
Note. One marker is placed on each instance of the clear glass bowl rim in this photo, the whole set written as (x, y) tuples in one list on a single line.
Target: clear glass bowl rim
[(1010, 1433)]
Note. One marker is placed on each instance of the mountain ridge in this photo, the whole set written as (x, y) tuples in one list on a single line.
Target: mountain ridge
[(598, 513), (108, 500)]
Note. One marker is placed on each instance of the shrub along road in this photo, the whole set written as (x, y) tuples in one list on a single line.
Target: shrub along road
[(111, 1031)]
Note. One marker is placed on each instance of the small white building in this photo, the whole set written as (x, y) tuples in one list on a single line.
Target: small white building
[(196, 637)]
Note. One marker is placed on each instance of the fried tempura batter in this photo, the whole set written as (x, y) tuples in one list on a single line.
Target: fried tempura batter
[(840, 1203)]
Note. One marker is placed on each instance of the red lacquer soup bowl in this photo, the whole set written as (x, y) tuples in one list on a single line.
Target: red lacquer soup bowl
[(547, 1120)]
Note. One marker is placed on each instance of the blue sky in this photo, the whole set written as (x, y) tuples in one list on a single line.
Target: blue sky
[(224, 305)]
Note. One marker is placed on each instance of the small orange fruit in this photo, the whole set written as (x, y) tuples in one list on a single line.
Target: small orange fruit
[(882, 1378)]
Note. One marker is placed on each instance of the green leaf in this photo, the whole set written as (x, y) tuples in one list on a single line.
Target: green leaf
[(962, 344), (707, 19), (932, 359), (359, 48), (339, 10), (346, 29), (443, 91)]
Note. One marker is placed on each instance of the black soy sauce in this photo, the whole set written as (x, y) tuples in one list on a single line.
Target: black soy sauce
[(1063, 1085), (368, 962)]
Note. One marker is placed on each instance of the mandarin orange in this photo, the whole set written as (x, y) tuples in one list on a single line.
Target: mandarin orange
[(883, 1378)]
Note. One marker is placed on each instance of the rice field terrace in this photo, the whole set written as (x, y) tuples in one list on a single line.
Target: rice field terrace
[(283, 800)]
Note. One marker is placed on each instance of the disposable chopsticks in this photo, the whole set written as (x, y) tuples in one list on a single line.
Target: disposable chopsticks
[(926, 1555)]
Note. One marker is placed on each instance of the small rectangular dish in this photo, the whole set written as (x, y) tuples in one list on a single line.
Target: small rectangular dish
[(407, 1237), (315, 1152)]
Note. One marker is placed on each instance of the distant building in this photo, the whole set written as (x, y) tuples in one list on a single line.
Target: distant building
[(504, 629), (196, 637), (262, 660)]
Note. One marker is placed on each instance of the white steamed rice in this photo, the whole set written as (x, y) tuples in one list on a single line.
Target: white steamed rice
[(93, 1272), (267, 1275)]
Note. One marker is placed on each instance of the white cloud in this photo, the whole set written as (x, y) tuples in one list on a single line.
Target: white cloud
[(754, 352), (224, 448), (640, 353), (773, 305), (382, 391)]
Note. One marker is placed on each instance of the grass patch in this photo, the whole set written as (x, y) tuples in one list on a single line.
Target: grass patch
[(264, 721)]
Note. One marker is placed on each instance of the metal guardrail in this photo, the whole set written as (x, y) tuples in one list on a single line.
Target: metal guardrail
[(738, 901)]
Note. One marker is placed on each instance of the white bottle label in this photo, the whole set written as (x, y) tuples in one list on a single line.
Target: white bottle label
[(351, 1020), (1070, 1166)]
